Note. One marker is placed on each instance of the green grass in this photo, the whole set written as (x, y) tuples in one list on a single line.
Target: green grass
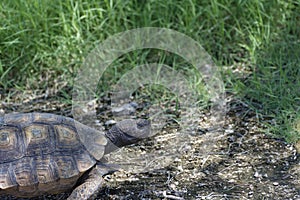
[(43, 42)]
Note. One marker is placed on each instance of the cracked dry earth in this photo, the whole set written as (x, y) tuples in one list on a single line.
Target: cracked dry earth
[(243, 163)]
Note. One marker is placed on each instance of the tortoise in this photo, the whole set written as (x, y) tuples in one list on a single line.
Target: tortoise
[(43, 153)]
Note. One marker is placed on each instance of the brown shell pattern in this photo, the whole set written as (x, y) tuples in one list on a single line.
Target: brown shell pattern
[(42, 152)]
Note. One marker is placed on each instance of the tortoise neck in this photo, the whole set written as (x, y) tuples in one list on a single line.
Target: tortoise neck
[(110, 147), (112, 142)]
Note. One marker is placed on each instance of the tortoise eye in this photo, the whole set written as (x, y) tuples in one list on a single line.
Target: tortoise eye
[(4, 138), (143, 123)]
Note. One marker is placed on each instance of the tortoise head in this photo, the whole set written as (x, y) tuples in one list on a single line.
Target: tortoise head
[(127, 132)]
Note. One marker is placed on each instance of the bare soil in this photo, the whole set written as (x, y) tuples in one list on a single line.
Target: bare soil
[(244, 163)]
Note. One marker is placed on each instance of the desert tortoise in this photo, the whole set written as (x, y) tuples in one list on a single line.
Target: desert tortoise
[(43, 153)]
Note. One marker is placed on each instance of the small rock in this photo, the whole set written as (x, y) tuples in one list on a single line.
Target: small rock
[(231, 139), (110, 122), (275, 183), (98, 123), (172, 186), (179, 167), (127, 109), (229, 131), (257, 175)]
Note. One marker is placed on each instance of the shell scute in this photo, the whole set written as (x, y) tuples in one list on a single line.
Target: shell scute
[(24, 172), (38, 140), (17, 118), (6, 180), (46, 170), (11, 144), (45, 118), (66, 167), (67, 138), (84, 161)]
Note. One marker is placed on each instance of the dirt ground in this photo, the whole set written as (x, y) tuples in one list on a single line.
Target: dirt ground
[(240, 163)]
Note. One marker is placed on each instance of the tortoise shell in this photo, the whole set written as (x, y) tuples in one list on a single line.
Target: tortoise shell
[(45, 153)]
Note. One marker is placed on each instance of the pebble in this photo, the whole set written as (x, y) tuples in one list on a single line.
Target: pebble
[(127, 109), (229, 131), (275, 183), (110, 122)]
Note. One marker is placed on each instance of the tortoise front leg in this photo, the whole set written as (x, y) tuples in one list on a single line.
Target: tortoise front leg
[(90, 187)]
